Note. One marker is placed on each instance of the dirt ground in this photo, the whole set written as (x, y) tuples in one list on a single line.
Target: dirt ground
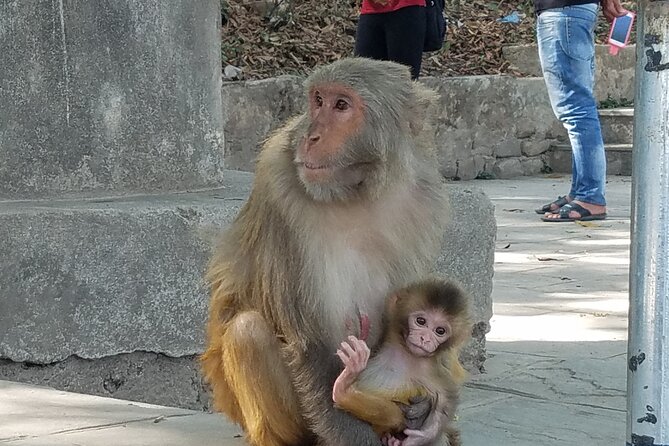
[(266, 38)]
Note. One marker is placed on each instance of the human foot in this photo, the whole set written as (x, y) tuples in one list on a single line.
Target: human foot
[(577, 210), (554, 206)]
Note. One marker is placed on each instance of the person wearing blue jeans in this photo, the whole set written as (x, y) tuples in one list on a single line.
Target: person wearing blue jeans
[(565, 36)]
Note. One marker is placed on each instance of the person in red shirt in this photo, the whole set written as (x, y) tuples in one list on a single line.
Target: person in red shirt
[(392, 30)]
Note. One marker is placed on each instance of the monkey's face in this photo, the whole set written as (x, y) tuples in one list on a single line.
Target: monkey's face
[(329, 160), (427, 330)]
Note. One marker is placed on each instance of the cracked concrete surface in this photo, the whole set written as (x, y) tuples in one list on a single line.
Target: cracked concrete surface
[(557, 350), (556, 373)]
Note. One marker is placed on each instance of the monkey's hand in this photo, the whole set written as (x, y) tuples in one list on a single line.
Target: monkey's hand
[(417, 411), (354, 353), (428, 433), (389, 440)]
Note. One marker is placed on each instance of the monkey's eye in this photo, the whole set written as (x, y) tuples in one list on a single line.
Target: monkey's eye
[(421, 321), (342, 105), (319, 99), (441, 331)]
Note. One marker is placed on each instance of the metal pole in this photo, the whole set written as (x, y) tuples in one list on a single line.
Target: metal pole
[(648, 346)]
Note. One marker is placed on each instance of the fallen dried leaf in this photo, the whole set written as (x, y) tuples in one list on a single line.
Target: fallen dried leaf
[(320, 31), (587, 224)]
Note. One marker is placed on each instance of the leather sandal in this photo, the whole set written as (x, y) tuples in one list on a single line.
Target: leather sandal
[(561, 201), (585, 215)]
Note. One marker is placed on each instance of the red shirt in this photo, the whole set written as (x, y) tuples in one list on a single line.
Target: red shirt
[(370, 7)]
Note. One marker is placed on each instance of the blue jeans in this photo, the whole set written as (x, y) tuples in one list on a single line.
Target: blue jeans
[(567, 53)]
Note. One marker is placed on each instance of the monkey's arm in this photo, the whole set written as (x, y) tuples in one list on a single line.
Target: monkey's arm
[(315, 373), (451, 375), (455, 369), (379, 411)]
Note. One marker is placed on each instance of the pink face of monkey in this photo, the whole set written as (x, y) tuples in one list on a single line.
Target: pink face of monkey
[(427, 331)]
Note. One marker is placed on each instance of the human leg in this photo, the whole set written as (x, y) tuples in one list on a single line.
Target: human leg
[(566, 51), (405, 37), (370, 37)]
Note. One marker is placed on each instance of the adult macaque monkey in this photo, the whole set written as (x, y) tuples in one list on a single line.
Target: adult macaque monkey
[(347, 205), (425, 325)]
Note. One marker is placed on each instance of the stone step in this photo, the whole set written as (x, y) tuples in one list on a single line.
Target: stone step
[(614, 75), (107, 296), (617, 125), (618, 158)]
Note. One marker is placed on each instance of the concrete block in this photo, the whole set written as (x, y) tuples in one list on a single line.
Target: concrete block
[(614, 75), (139, 376), (617, 125), (508, 168), (111, 96), (467, 256), (94, 278), (532, 166), (535, 147), (618, 158), (106, 295), (252, 110), (510, 148)]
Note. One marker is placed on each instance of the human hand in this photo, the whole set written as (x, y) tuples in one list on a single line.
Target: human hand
[(612, 9)]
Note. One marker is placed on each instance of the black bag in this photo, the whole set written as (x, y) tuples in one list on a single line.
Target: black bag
[(435, 25)]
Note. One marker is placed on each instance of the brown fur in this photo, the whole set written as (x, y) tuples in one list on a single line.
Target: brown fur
[(301, 261), (387, 380)]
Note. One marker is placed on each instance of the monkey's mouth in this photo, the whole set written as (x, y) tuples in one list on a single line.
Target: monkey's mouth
[(312, 166), (331, 173), (332, 166), (314, 172), (418, 349)]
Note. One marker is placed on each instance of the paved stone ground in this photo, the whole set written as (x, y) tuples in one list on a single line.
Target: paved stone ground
[(556, 373)]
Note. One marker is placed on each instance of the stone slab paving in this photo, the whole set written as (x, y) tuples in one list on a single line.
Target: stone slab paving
[(556, 372)]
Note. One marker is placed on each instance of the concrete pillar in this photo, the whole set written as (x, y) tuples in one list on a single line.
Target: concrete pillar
[(109, 97)]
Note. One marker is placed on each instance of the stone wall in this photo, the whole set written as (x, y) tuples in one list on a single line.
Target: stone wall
[(487, 125), (496, 126), (614, 75)]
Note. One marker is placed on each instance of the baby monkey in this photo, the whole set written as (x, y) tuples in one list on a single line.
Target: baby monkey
[(409, 389)]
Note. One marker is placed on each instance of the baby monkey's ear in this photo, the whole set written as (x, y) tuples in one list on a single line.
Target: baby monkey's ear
[(394, 299)]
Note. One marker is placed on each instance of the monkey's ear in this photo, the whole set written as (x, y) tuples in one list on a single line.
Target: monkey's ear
[(394, 299), (422, 109)]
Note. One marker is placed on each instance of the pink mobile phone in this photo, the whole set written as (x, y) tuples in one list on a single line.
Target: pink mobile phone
[(620, 31)]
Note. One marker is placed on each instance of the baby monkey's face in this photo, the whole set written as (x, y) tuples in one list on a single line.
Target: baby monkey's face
[(427, 331)]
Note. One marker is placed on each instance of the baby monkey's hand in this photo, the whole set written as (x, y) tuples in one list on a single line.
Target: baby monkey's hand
[(417, 411), (354, 353)]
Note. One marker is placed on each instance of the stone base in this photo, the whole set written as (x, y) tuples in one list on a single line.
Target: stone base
[(618, 159), (106, 296), (140, 376)]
